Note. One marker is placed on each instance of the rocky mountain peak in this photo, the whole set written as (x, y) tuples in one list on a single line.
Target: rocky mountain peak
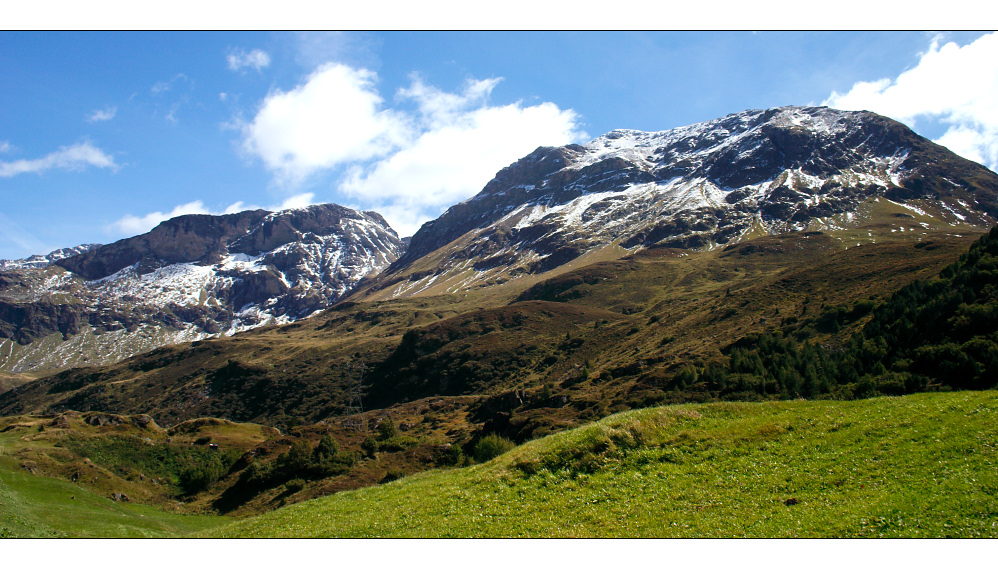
[(188, 278), (193, 238), (39, 261), (788, 168)]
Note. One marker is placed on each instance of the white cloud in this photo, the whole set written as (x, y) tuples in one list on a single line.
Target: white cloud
[(955, 85), (133, 225), (313, 49), (439, 108), (295, 202), (405, 216), (257, 59), (453, 161), (237, 207), (164, 86), (5, 146), (408, 166), (76, 157), (130, 224), (331, 119), (101, 115)]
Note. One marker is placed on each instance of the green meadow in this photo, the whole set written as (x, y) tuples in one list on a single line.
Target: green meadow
[(920, 465), (38, 506)]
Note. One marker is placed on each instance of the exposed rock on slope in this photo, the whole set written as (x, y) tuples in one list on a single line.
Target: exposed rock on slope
[(791, 168), (39, 261), (190, 277)]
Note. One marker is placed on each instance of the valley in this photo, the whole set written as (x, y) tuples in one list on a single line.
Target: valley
[(752, 319)]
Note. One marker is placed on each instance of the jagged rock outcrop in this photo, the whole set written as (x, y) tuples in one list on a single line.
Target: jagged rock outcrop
[(198, 239), (783, 169), (191, 277), (39, 261)]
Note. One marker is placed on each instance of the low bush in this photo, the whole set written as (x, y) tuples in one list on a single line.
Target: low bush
[(491, 446)]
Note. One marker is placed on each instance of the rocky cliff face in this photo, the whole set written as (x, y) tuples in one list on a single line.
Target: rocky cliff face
[(784, 169), (191, 277)]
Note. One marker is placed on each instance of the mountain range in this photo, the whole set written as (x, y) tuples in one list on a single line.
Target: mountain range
[(191, 277), (695, 188), (798, 252)]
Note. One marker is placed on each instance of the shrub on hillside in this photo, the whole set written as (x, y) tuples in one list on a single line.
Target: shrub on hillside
[(387, 429), (198, 471), (491, 446), (302, 461)]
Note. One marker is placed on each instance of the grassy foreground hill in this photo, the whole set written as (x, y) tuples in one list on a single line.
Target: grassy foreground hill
[(33, 506), (921, 465)]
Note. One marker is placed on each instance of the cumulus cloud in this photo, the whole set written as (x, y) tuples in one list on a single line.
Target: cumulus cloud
[(333, 118), (76, 157), (313, 48), (408, 165), (133, 225), (101, 115), (954, 85), (297, 201), (257, 59), (130, 224), (454, 161)]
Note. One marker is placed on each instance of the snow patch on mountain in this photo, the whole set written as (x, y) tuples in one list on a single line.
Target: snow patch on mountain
[(699, 186), (41, 261), (242, 271)]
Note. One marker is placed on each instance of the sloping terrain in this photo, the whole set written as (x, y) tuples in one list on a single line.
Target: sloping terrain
[(914, 466), (700, 186), (9, 381), (789, 289), (571, 350), (50, 487), (41, 261), (602, 338), (191, 277)]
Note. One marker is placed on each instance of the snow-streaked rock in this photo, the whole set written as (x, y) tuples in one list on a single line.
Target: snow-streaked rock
[(40, 261), (190, 278), (699, 186)]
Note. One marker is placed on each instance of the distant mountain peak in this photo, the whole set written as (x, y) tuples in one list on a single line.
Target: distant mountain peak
[(191, 277), (39, 261)]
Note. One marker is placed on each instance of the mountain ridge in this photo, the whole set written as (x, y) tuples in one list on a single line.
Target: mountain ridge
[(39, 260), (697, 187), (417, 378), (189, 278), (704, 185)]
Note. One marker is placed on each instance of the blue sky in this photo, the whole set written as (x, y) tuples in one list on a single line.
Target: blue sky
[(103, 135)]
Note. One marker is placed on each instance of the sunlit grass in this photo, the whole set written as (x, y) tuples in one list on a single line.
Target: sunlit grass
[(38, 506), (914, 466)]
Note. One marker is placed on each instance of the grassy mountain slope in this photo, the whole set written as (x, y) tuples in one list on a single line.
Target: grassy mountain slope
[(915, 466), (50, 487), (9, 381), (127, 458), (644, 330), (38, 506), (937, 333), (602, 338)]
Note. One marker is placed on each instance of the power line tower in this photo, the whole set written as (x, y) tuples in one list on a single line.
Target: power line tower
[(355, 404)]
